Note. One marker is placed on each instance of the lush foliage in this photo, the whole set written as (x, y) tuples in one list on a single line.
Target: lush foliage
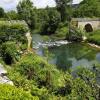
[(13, 93), (33, 77), (61, 32), (75, 35), (94, 37), (2, 13), (53, 19), (64, 8), (34, 74), (9, 52), (26, 12), (88, 8), (11, 15), (14, 30)]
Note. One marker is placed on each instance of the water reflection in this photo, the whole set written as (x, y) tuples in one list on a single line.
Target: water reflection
[(71, 55)]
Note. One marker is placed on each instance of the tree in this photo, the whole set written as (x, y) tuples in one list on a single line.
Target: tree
[(26, 12), (42, 20), (53, 19), (88, 8), (12, 15), (2, 13), (63, 7)]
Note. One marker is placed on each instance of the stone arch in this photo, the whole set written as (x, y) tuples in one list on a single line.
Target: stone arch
[(88, 27)]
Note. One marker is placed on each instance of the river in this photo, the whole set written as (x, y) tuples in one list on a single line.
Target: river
[(66, 55)]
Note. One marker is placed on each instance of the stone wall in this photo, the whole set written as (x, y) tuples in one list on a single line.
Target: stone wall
[(95, 24), (81, 22)]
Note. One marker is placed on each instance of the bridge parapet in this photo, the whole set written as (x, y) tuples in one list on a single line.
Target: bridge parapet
[(81, 23)]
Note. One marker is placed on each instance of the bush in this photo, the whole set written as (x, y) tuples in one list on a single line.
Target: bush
[(75, 35), (61, 32), (42, 93), (34, 74), (9, 52), (94, 37), (81, 90), (12, 31), (8, 92), (35, 68)]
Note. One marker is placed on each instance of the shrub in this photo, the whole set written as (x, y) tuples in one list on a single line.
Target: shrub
[(34, 74), (8, 92), (12, 31), (94, 37), (9, 52), (34, 67), (75, 35), (61, 32), (81, 90)]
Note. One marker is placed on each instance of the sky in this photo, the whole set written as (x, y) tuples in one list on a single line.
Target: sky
[(11, 4)]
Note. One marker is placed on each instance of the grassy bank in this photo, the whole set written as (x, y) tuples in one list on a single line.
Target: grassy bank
[(33, 74), (94, 37)]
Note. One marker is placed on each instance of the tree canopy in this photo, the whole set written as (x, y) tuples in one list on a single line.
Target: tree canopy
[(26, 12), (88, 8), (2, 13), (63, 7)]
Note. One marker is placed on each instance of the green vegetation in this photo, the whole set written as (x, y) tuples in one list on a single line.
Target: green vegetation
[(12, 93), (88, 8), (1, 12), (47, 21), (11, 15), (12, 31), (26, 12), (75, 35), (94, 37), (52, 21), (64, 8), (61, 32), (34, 74), (33, 77), (9, 52)]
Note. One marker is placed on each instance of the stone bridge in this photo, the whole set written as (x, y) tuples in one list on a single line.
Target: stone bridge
[(86, 24)]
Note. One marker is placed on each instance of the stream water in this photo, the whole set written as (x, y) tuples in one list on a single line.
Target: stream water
[(66, 55)]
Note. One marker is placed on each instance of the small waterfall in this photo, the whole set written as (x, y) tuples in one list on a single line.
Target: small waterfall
[(50, 43)]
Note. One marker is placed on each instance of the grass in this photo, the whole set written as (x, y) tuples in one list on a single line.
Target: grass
[(94, 37), (60, 33)]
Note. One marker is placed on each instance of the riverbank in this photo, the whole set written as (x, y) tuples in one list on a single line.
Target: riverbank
[(94, 37), (35, 75), (94, 45)]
